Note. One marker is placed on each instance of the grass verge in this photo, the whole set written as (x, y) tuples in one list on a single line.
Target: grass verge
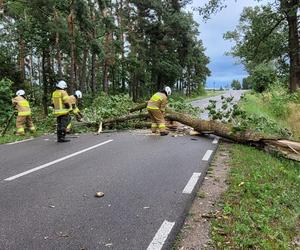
[(261, 208)]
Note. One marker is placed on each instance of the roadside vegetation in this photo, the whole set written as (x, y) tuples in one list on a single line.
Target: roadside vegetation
[(261, 208)]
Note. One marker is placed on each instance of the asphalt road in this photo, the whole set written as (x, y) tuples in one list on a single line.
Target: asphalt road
[(204, 102), (47, 190)]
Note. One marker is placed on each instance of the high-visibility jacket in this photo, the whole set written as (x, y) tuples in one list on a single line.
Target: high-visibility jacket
[(21, 105), (158, 102), (73, 102), (61, 102)]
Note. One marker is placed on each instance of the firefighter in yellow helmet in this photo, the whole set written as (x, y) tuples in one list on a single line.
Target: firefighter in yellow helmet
[(156, 108), (75, 110), (62, 108), (24, 113)]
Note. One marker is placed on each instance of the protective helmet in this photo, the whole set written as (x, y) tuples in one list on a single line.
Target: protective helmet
[(168, 90), (61, 85), (78, 94), (20, 92)]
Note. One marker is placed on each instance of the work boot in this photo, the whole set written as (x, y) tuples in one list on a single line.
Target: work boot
[(61, 136), (62, 140), (163, 133)]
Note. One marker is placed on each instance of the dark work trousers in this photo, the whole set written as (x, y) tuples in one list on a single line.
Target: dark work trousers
[(62, 123)]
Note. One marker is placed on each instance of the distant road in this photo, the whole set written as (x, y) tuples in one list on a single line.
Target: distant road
[(205, 102)]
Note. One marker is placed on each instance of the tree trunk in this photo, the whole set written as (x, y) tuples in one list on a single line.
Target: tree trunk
[(70, 20), (46, 78), (82, 79), (22, 57), (286, 148), (120, 17), (291, 9), (57, 48), (93, 73)]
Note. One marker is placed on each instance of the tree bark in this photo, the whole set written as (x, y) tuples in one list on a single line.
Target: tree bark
[(82, 79), (22, 57), (46, 78), (290, 8), (71, 30)]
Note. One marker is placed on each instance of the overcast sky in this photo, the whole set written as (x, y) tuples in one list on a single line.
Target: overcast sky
[(223, 68)]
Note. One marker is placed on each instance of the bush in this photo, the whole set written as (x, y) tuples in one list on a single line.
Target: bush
[(6, 95), (279, 100), (262, 76)]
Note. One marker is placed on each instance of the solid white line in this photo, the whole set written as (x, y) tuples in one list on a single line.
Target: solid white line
[(16, 142), (207, 155), (191, 184), (161, 236), (215, 141), (56, 161)]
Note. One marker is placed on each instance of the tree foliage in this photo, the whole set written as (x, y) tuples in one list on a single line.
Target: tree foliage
[(266, 34), (123, 46)]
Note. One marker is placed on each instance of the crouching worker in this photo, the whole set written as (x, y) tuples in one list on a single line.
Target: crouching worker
[(75, 109), (157, 107), (62, 108), (24, 113)]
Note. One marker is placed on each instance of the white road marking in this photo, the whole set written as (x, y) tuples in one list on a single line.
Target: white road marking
[(54, 162), (160, 237), (16, 142), (207, 155), (191, 184), (216, 141)]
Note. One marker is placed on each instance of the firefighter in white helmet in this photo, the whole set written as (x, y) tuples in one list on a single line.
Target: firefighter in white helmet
[(62, 108), (75, 110), (156, 108), (24, 113)]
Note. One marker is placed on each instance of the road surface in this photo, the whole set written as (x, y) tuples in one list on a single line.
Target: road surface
[(47, 190), (205, 102)]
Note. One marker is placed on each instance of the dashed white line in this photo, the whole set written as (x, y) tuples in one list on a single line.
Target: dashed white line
[(215, 141), (54, 162), (191, 184), (161, 236), (16, 142), (207, 155)]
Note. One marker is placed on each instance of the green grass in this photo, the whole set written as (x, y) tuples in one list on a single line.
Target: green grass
[(261, 207), (266, 121)]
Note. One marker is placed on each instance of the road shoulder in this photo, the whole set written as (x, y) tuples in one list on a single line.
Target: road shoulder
[(195, 233)]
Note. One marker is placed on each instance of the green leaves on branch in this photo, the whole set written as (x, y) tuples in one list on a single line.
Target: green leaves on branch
[(6, 95)]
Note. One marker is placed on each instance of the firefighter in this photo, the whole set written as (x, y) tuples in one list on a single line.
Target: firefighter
[(61, 109), (75, 110), (24, 113), (157, 107)]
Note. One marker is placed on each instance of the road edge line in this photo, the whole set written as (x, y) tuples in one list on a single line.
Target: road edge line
[(11, 178)]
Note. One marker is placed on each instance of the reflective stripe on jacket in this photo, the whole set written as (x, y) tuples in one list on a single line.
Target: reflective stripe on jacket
[(73, 102), (60, 100), (21, 105), (158, 101)]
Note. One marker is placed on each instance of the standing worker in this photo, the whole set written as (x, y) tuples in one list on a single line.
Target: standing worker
[(157, 107), (24, 113), (73, 101), (62, 108)]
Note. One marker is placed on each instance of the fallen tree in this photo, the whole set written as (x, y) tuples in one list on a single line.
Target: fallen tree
[(286, 148)]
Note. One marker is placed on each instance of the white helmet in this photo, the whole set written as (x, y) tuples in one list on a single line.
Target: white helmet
[(20, 92), (168, 90), (61, 85), (78, 94)]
